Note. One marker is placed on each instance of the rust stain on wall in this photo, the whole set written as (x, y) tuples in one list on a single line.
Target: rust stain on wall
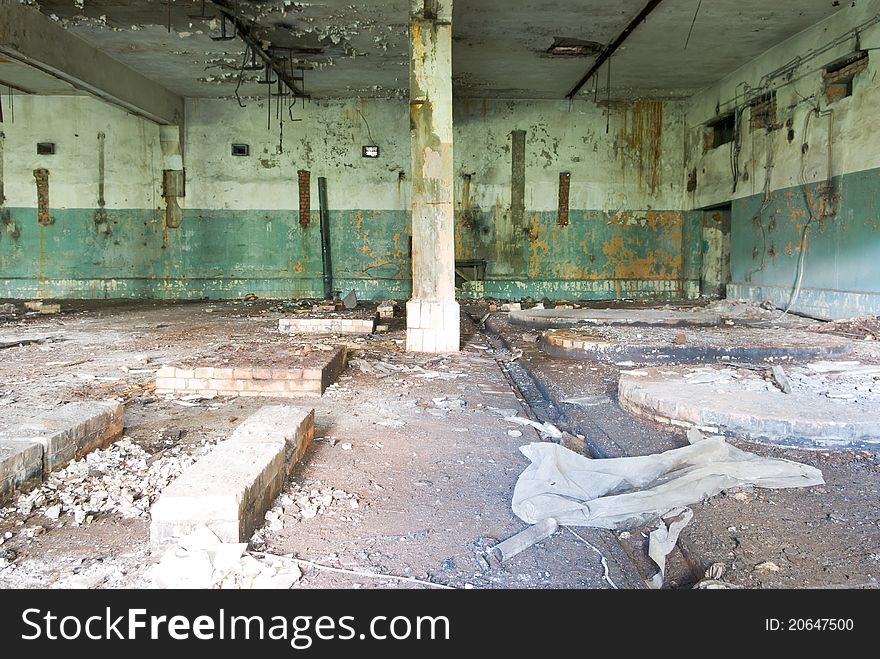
[(536, 244), (641, 134)]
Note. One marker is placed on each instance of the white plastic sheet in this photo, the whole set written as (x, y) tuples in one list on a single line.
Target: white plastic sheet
[(621, 493)]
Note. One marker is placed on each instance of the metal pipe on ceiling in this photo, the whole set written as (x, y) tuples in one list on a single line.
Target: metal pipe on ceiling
[(244, 33), (611, 48)]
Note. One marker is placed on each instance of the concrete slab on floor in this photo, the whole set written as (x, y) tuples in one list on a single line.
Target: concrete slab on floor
[(741, 403), (819, 537), (547, 318), (647, 345), (231, 488)]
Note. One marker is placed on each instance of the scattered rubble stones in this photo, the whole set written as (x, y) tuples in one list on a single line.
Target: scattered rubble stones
[(122, 479)]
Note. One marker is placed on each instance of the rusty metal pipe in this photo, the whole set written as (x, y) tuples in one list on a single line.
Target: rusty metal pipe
[(611, 48)]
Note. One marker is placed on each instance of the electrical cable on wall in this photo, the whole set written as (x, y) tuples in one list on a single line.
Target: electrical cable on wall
[(366, 123), (787, 70), (805, 234), (758, 218)]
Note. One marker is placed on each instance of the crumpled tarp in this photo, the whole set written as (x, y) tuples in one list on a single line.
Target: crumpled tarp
[(620, 493)]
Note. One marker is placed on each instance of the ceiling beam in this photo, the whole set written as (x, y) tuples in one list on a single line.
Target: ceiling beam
[(34, 39), (611, 48)]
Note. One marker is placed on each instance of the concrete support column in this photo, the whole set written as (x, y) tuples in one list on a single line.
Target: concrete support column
[(432, 314)]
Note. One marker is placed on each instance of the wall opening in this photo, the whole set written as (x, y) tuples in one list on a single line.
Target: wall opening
[(715, 269), (721, 131), (839, 76), (763, 112)]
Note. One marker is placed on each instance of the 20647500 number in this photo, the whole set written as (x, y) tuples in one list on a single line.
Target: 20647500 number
[(809, 624)]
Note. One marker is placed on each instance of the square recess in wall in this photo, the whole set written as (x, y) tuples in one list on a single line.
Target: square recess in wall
[(371, 152), (241, 149), (45, 148)]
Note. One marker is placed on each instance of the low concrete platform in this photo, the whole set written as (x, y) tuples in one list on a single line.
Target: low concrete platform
[(678, 344), (742, 403), (306, 377), (548, 318), (327, 325), (51, 440), (230, 489)]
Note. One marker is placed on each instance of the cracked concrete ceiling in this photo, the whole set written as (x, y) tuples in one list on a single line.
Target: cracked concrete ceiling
[(360, 49)]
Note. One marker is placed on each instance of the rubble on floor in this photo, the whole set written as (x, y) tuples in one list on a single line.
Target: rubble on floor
[(122, 479), (866, 328), (201, 560)]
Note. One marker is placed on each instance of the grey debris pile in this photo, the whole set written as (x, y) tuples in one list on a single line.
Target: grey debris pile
[(305, 503), (121, 479)]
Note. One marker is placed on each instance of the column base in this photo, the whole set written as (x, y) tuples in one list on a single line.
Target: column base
[(432, 327)]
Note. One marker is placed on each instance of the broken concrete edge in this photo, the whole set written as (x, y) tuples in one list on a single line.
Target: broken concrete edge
[(566, 348), (252, 382), (50, 441), (784, 434), (230, 489)]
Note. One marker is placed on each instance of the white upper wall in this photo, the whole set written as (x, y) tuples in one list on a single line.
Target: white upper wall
[(132, 160), (855, 140), (637, 165), (609, 171), (326, 139)]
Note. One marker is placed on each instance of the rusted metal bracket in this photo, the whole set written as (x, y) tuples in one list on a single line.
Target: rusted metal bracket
[(305, 197), (42, 178), (564, 193)]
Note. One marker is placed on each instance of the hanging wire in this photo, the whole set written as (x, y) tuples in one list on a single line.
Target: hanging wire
[(240, 77), (369, 133), (694, 22)]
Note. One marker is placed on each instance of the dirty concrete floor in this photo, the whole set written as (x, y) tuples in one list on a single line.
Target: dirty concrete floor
[(433, 478), (823, 537)]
